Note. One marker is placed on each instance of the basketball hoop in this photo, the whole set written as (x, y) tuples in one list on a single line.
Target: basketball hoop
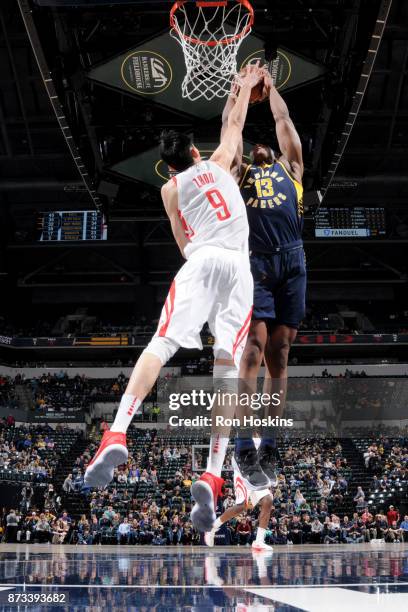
[(210, 34)]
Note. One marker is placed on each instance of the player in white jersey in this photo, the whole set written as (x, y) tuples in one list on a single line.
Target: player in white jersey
[(213, 285), (210, 203), (209, 223), (244, 497)]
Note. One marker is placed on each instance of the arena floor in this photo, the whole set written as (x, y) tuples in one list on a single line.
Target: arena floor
[(361, 577)]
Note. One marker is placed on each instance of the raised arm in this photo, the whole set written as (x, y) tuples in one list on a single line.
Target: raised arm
[(231, 100), (170, 201), (232, 135), (288, 138)]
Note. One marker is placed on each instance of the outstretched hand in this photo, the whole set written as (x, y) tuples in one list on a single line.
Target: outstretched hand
[(251, 76), (235, 86)]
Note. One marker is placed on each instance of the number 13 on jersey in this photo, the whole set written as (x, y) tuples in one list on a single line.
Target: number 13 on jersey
[(264, 187)]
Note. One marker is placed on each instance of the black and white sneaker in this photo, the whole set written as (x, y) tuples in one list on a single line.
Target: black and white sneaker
[(246, 462), (267, 457)]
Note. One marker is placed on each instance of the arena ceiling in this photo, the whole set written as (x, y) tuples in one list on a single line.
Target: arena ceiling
[(108, 126)]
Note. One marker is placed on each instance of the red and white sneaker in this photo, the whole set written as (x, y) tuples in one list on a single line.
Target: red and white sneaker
[(111, 453), (205, 493), (261, 547)]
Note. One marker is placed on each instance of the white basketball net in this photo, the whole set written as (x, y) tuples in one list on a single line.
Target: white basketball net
[(210, 37)]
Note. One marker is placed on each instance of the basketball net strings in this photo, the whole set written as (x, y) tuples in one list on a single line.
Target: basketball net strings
[(210, 69)]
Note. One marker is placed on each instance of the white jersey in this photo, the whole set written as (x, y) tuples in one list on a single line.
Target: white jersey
[(215, 285), (211, 208)]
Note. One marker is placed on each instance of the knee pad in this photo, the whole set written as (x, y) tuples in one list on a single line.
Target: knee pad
[(226, 377), (163, 348), (220, 353)]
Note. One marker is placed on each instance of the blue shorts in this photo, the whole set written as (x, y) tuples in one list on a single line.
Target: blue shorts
[(279, 286)]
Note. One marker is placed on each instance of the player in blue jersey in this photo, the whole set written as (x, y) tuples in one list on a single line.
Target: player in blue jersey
[(271, 186)]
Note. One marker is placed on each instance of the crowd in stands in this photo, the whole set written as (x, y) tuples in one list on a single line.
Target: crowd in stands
[(149, 499), (387, 459), (197, 367), (326, 317), (59, 392), (372, 317), (28, 451), (37, 527), (347, 374), (7, 392), (79, 323), (154, 525), (319, 467), (388, 456), (321, 528), (316, 499)]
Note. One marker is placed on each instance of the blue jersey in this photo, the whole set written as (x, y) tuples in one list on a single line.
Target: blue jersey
[(274, 203)]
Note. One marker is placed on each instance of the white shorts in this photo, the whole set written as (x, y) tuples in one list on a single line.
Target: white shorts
[(215, 285), (244, 495)]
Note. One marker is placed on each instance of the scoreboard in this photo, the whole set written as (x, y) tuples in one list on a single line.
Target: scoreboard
[(356, 222), (71, 226)]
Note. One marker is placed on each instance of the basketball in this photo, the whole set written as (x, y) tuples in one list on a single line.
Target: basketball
[(259, 93)]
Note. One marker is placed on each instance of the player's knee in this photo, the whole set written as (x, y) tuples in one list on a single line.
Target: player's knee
[(283, 356), (226, 378), (163, 348), (267, 503), (279, 352), (253, 354)]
